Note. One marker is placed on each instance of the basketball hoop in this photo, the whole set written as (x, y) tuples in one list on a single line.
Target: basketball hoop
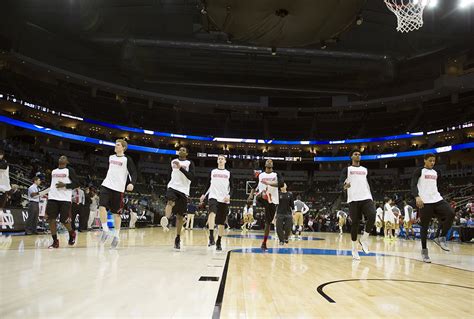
[(409, 13)]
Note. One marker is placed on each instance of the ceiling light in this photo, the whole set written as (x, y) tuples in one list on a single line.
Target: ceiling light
[(432, 3), (463, 4)]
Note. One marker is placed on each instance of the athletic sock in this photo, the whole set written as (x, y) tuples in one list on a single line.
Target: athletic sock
[(365, 235), (354, 245)]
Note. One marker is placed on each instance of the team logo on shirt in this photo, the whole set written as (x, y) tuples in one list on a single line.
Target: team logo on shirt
[(59, 175), (116, 162), (220, 176), (431, 177), (358, 173)]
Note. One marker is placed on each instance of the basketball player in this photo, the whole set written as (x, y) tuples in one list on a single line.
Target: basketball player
[(424, 187), (267, 196), (285, 209), (177, 193), (342, 217), (389, 219), (396, 212), (63, 181), (355, 180), (218, 189), (93, 209), (248, 216), (408, 220), (300, 209), (4, 180), (33, 207), (379, 219), (121, 176), (190, 216), (78, 201)]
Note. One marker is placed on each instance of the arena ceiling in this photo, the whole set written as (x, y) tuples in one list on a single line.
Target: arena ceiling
[(291, 51)]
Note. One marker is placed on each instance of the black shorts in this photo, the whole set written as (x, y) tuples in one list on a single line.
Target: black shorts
[(220, 209), (3, 199), (111, 200), (360, 208), (55, 208), (180, 201), (270, 210), (441, 210)]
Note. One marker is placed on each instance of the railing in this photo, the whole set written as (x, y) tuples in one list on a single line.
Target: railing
[(453, 194), (17, 179)]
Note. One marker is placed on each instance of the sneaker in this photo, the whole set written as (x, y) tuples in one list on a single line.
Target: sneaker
[(164, 223), (365, 245), (177, 243), (55, 244), (264, 247), (424, 256), (218, 246), (211, 241), (441, 242), (281, 243), (104, 237), (72, 238), (355, 255), (286, 241), (115, 243)]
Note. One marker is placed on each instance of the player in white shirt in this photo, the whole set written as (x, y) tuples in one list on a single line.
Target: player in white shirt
[(342, 217), (355, 180), (389, 219), (78, 200), (33, 207), (5, 186), (397, 214), (266, 190), (379, 219), (408, 220), (94, 208), (177, 193), (63, 181), (121, 176), (424, 187), (219, 191), (300, 209), (248, 216)]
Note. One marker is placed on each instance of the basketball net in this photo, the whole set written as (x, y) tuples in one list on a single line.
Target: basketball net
[(409, 13)]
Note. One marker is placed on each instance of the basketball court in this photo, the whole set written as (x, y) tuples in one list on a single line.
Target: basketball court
[(303, 83), (312, 277)]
